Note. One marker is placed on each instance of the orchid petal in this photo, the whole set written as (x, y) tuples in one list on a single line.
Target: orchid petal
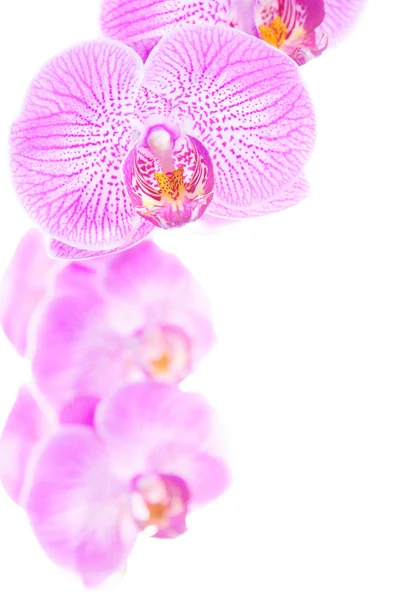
[(340, 17), (25, 427), (151, 413), (74, 354), (23, 286), (145, 416), (69, 142), (141, 279), (158, 428), (79, 513), (141, 24), (206, 476), (290, 196), (60, 250), (245, 102)]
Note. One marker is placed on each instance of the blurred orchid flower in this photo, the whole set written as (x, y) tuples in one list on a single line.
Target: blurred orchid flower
[(89, 491), (143, 316), (300, 28), (130, 316), (216, 123)]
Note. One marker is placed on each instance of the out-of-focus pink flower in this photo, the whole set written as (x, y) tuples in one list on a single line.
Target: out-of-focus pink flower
[(300, 28), (216, 122), (23, 286), (136, 315), (148, 462), (25, 427), (28, 425), (29, 281)]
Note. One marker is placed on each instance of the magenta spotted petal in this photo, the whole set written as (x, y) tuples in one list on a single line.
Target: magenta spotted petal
[(26, 426), (141, 24), (222, 125), (70, 140), (289, 196), (57, 249), (245, 102)]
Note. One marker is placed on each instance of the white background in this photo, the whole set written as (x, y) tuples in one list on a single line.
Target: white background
[(306, 373)]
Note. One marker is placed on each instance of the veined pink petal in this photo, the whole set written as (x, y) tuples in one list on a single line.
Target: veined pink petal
[(340, 17), (245, 101), (25, 427), (69, 142), (78, 511), (60, 250), (289, 196), (23, 286), (141, 23)]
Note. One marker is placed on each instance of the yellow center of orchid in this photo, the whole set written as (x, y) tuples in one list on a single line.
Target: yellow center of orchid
[(161, 365), (157, 513), (171, 184), (275, 33)]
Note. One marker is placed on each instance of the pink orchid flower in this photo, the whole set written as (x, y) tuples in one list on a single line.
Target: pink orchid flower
[(300, 28), (90, 327), (89, 492), (137, 315), (217, 122)]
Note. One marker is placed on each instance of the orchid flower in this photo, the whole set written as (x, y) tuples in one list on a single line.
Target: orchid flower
[(300, 28), (91, 327), (217, 122), (152, 457), (134, 315)]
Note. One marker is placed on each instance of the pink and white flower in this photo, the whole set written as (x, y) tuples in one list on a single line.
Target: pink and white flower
[(301, 28), (133, 315), (106, 148), (150, 459)]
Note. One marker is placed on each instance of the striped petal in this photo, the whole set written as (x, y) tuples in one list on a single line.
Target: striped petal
[(290, 196), (69, 142), (57, 249), (340, 17), (142, 23), (245, 101)]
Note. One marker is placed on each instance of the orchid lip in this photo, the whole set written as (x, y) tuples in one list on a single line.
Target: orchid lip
[(291, 28), (165, 353), (169, 176), (159, 504)]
